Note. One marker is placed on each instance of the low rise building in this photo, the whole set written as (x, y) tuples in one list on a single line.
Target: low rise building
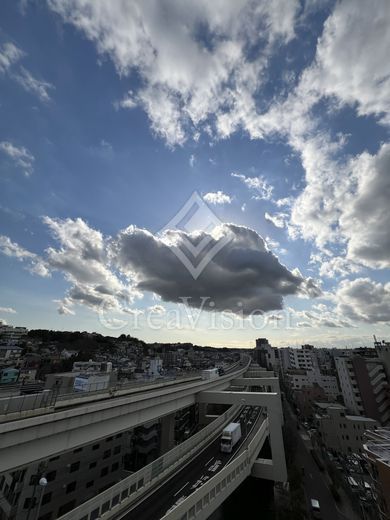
[(12, 335), (340, 432), (10, 353), (69, 382)]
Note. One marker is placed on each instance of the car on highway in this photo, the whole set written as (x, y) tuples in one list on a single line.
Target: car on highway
[(315, 508)]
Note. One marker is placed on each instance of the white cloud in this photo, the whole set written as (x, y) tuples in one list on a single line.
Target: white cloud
[(286, 201), (217, 198), (19, 155), (9, 248), (8, 310), (352, 57), (192, 160), (64, 306), (157, 309), (129, 101), (365, 217), (351, 68), (35, 264), (278, 219), (335, 266), (320, 316), (185, 79), (37, 87), (9, 55), (83, 258), (262, 189), (364, 300)]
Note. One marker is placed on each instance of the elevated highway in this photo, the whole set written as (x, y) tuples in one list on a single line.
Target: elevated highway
[(194, 478), (79, 421), (189, 481)]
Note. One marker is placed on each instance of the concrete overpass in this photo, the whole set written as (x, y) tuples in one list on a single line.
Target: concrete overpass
[(35, 438), (76, 422), (139, 495)]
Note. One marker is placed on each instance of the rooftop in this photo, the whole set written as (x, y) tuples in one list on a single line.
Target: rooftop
[(359, 418), (325, 406), (378, 444)]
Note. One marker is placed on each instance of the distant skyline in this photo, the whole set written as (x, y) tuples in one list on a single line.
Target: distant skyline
[(270, 118)]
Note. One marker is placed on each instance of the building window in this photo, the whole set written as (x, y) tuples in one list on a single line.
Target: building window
[(118, 435), (109, 439), (29, 502), (117, 450), (33, 480), (71, 487), (96, 446), (46, 498), (47, 516), (115, 466), (75, 466), (104, 472), (93, 465), (66, 508), (89, 484), (106, 454), (77, 450), (51, 476)]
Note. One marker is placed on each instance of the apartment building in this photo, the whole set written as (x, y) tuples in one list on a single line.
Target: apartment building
[(299, 379), (339, 431), (376, 451), (72, 478), (303, 358), (364, 386), (382, 349), (12, 335), (265, 355)]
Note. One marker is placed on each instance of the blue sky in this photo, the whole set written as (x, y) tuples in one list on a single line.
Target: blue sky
[(112, 114)]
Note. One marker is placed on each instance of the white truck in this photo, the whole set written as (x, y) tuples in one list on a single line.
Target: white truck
[(211, 373), (230, 436)]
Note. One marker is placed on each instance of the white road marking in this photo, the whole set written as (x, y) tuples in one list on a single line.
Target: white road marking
[(177, 492), (207, 463)]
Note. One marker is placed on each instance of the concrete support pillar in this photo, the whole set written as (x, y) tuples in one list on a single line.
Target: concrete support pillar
[(204, 419), (167, 433), (277, 446)]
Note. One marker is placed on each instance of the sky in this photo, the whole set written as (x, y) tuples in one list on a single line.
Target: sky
[(198, 171)]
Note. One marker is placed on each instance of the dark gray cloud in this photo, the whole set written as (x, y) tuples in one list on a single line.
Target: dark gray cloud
[(244, 276)]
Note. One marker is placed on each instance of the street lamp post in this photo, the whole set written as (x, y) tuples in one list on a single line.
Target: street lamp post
[(42, 484)]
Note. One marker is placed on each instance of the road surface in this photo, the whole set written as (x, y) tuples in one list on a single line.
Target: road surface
[(314, 481), (209, 462)]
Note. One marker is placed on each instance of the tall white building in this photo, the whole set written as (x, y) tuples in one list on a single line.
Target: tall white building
[(304, 358), (304, 371)]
